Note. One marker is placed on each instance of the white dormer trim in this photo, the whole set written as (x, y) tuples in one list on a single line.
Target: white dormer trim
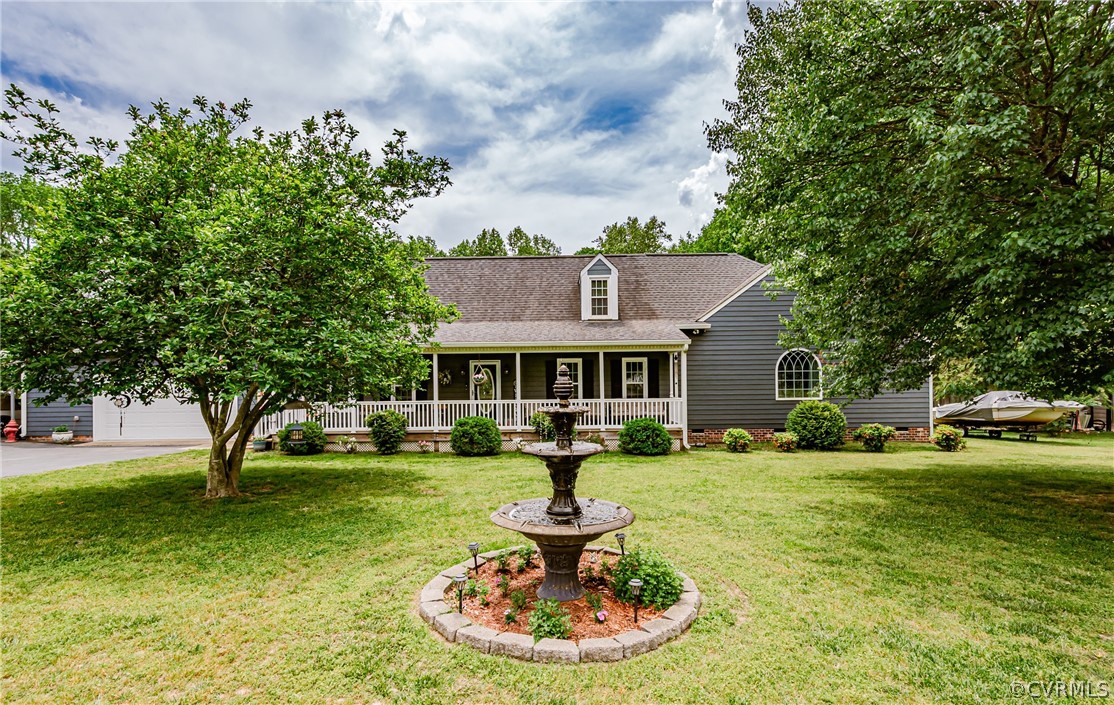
[(610, 281)]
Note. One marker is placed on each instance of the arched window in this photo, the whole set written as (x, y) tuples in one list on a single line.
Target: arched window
[(798, 376)]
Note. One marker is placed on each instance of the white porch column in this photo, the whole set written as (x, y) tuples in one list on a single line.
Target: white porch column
[(603, 404), (672, 376), (684, 398), (518, 391), (436, 390)]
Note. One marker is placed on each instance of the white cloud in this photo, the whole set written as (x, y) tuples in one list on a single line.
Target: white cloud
[(560, 117)]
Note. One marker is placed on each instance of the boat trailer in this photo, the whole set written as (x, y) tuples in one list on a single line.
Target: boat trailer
[(1024, 434)]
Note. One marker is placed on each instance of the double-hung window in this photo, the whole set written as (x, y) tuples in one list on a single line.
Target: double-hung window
[(634, 378), (599, 297), (573, 363)]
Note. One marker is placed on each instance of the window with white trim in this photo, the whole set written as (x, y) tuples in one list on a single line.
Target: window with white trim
[(798, 376), (634, 378), (573, 363), (599, 297)]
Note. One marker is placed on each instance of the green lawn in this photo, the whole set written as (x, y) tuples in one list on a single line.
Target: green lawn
[(914, 576)]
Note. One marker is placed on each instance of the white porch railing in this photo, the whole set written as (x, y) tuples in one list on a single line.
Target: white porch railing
[(510, 415)]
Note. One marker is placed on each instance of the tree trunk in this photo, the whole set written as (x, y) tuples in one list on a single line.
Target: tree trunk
[(230, 440), (225, 463), (224, 475)]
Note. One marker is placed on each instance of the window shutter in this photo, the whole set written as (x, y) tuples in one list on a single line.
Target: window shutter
[(616, 375), (550, 377), (653, 386)]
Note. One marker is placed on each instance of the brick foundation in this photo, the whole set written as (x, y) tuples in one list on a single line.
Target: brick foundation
[(709, 436)]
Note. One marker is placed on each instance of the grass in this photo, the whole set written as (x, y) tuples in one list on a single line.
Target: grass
[(912, 576)]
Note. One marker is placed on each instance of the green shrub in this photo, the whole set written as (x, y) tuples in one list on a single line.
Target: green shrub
[(661, 585), (948, 438), (386, 428), (543, 426), (476, 435), (737, 440), (312, 434), (549, 621), (785, 442), (818, 424), (644, 437), (874, 436), (61, 429)]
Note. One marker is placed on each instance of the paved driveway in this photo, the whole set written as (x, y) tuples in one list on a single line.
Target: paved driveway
[(24, 458)]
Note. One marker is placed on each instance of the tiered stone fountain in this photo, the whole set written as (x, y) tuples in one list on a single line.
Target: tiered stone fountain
[(562, 525)]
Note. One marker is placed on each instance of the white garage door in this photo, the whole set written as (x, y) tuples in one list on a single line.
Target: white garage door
[(162, 420)]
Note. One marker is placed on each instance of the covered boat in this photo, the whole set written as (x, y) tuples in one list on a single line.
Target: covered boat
[(1003, 410)]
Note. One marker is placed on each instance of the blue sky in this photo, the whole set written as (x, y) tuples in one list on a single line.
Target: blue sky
[(559, 117)]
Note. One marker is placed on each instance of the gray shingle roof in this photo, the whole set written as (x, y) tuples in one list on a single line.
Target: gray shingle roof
[(537, 299)]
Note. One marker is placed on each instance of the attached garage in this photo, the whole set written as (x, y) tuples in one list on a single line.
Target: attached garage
[(162, 420)]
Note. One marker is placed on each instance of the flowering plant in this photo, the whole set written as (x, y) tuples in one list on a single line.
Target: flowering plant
[(601, 616), (424, 446)]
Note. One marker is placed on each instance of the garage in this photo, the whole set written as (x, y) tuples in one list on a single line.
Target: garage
[(122, 419)]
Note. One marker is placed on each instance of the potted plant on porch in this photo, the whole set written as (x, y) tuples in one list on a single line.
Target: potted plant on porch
[(260, 443), (61, 434)]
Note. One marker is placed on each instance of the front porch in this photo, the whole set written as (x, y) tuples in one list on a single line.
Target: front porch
[(616, 384), (434, 417)]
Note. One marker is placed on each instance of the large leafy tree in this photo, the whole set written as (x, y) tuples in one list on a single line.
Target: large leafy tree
[(521, 244), (631, 237), (490, 243), (932, 179), (720, 234), (25, 205), (238, 271)]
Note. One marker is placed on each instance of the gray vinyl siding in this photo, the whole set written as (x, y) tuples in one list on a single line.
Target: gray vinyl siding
[(535, 385), (459, 365), (42, 419), (732, 372)]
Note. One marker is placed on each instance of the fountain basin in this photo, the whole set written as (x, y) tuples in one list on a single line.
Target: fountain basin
[(578, 449), (561, 540)]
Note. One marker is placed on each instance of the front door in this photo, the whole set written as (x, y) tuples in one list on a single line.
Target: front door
[(488, 389)]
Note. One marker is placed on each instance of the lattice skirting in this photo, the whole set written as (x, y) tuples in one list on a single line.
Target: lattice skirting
[(441, 445)]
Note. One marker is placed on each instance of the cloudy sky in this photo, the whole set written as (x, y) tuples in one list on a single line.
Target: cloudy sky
[(559, 117)]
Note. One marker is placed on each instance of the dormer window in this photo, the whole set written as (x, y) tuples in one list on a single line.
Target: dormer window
[(599, 297), (599, 290)]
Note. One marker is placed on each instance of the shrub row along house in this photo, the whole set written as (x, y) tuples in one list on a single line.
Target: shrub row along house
[(688, 340)]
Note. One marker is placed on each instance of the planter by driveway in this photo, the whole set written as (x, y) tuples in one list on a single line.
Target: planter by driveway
[(26, 458)]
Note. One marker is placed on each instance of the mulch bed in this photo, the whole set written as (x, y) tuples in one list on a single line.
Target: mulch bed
[(620, 616)]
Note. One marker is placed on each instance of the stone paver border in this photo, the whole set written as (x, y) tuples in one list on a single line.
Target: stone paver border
[(457, 628)]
